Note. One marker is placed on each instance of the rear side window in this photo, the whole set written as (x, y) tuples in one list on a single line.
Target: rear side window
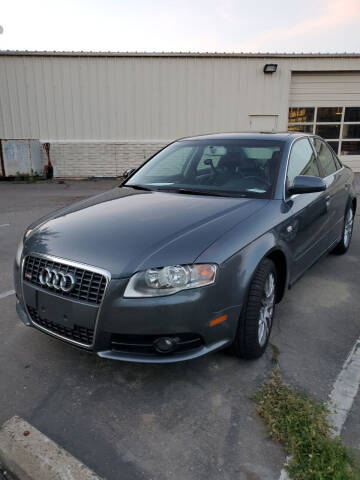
[(325, 156), (302, 161)]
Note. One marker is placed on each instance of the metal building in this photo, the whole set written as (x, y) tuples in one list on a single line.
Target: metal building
[(104, 112)]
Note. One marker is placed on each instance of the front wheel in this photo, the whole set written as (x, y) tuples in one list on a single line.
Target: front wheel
[(256, 320), (344, 243)]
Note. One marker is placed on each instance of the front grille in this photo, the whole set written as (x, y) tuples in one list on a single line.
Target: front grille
[(77, 333), (89, 287), (144, 344)]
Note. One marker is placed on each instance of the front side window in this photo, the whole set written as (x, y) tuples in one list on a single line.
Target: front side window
[(325, 156), (302, 161), (233, 167), (334, 146), (337, 162)]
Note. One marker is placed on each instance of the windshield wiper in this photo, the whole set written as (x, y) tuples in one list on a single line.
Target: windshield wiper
[(138, 187), (214, 193), (187, 191)]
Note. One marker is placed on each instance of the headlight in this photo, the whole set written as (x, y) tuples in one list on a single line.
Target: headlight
[(19, 252), (157, 282), (27, 233), (21, 246)]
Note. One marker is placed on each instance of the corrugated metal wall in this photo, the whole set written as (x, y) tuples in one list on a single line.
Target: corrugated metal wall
[(131, 98), (149, 98), (134, 98)]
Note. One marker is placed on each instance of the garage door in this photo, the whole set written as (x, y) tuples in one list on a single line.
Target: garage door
[(328, 104)]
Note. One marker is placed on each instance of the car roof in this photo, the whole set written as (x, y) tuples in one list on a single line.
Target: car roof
[(282, 136)]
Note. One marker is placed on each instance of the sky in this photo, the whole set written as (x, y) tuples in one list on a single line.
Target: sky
[(181, 25)]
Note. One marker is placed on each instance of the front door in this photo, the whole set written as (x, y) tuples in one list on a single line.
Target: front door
[(306, 228)]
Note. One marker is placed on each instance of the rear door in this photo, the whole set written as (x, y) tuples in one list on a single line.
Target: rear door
[(306, 230), (337, 189)]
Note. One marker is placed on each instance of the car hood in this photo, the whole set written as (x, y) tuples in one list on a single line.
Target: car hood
[(126, 230)]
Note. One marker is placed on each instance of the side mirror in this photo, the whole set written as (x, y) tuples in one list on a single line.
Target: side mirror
[(128, 172), (307, 184)]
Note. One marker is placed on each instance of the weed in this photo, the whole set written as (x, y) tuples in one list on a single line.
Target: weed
[(300, 424), (275, 353)]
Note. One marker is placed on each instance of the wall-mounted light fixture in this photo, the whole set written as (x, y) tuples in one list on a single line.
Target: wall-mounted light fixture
[(270, 68)]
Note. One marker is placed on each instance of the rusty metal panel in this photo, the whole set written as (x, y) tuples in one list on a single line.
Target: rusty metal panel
[(21, 156)]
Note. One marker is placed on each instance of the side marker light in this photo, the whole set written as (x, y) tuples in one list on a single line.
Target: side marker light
[(218, 320)]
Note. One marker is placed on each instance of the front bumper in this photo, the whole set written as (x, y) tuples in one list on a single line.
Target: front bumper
[(125, 329)]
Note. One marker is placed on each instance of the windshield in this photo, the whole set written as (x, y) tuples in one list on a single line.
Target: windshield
[(244, 167)]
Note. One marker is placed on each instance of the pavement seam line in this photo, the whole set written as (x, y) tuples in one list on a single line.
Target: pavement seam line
[(342, 395), (7, 294)]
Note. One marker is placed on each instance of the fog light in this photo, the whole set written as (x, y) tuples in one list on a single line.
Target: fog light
[(165, 344)]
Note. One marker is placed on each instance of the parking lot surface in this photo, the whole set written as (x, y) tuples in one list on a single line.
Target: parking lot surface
[(193, 420)]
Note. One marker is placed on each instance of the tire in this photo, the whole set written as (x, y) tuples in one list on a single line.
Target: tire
[(344, 244), (256, 320)]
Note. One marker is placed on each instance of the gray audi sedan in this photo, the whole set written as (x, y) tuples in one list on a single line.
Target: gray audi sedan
[(191, 253)]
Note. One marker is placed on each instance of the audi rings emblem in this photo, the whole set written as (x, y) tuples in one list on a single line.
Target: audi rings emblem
[(52, 278)]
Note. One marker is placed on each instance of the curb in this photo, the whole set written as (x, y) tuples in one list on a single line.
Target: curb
[(30, 455)]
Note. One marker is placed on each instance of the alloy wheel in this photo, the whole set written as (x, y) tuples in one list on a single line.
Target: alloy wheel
[(348, 226), (266, 310)]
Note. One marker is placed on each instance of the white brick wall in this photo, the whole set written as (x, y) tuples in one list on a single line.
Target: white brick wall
[(105, 159), (96, 159)]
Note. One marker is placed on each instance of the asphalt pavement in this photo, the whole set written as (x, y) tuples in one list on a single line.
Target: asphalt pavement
[(194, 420)]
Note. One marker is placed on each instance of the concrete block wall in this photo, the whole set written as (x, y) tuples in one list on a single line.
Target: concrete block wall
[(97, 159)]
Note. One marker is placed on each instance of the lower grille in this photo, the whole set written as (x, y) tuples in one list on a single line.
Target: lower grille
[(78, 333), (144, 344)]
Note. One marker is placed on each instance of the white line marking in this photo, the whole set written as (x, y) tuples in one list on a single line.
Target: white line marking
[(5, 225), (344, 390), (7, 294), (283, 474), (342, 396)]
